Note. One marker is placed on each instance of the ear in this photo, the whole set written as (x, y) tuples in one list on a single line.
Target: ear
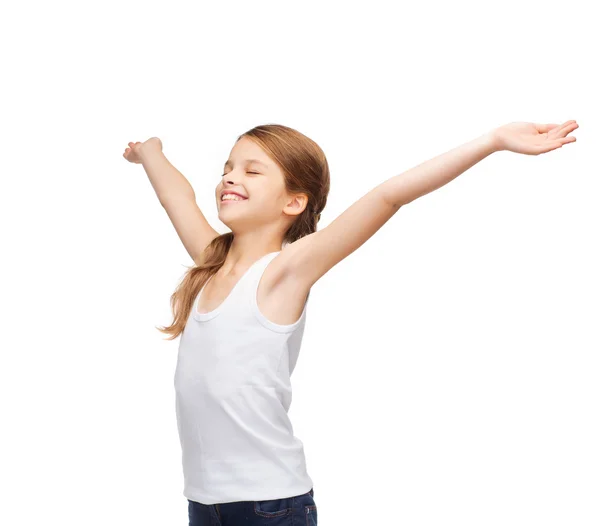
[(295, 204)]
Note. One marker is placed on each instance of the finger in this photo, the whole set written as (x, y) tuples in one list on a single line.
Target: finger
[(564, 130), (549, 146), (559, 143), (557, 128), (544, 128), (567, 140), (565, 125)]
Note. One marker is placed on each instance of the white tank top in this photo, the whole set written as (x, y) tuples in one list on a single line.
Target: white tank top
[(233, 392)]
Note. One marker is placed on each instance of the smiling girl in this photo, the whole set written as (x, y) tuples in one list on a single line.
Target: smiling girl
[(241, 309)]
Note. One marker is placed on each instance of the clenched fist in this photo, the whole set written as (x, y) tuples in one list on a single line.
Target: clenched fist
[(136, 150)]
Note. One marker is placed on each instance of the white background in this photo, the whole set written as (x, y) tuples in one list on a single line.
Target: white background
[(449, 369)]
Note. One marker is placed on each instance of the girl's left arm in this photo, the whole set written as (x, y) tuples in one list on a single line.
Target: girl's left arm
[(310, 257)]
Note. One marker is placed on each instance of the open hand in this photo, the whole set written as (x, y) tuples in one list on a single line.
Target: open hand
[(134, 153), (533, 139)]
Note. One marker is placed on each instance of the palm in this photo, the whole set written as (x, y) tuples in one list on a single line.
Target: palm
[(533, 139)]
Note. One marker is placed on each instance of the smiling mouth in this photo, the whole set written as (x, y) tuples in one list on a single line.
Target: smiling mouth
[(236, 200)]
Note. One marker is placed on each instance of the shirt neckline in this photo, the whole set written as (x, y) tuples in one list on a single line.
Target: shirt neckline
[(205, 316)]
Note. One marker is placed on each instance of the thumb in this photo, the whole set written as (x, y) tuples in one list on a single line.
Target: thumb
[(544, 128)]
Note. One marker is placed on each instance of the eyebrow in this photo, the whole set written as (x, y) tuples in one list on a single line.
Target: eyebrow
[(248, 161)]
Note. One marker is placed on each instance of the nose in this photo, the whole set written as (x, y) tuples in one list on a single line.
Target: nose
[(231, 178), (230, 181)]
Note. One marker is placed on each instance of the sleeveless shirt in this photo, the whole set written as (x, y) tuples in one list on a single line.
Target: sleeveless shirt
[(233, 393)]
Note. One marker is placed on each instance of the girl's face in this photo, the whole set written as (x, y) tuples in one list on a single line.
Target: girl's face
[(257, 178)]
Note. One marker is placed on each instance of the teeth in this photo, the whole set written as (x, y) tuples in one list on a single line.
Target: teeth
[(232, 197)]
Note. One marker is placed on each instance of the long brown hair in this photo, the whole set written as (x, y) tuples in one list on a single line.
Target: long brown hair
[(305, 170)]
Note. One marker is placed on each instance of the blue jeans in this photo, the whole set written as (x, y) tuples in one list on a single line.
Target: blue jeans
[(300, 510)]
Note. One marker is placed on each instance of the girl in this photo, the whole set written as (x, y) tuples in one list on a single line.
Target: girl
[(241, 309)]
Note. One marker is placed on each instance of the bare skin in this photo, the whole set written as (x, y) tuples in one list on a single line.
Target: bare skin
[(289, 277), (281, 303)]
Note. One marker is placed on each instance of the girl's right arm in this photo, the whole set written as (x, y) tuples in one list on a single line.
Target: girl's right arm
[(175, 194)]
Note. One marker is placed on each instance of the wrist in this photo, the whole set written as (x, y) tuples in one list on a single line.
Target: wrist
[(149, 151), (492, 141)]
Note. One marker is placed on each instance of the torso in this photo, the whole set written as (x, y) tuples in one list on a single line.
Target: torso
[(279, 297)]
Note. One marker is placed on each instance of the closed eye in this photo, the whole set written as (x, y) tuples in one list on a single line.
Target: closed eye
[(256, 173)]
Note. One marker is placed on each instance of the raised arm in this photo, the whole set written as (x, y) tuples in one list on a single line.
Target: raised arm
[(175, 194), (309, 258)]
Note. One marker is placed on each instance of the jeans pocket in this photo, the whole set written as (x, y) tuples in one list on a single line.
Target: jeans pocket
[(310, 511), (273, 508)]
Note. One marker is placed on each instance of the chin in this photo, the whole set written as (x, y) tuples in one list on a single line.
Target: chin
[(229, 219), (234, 220)]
